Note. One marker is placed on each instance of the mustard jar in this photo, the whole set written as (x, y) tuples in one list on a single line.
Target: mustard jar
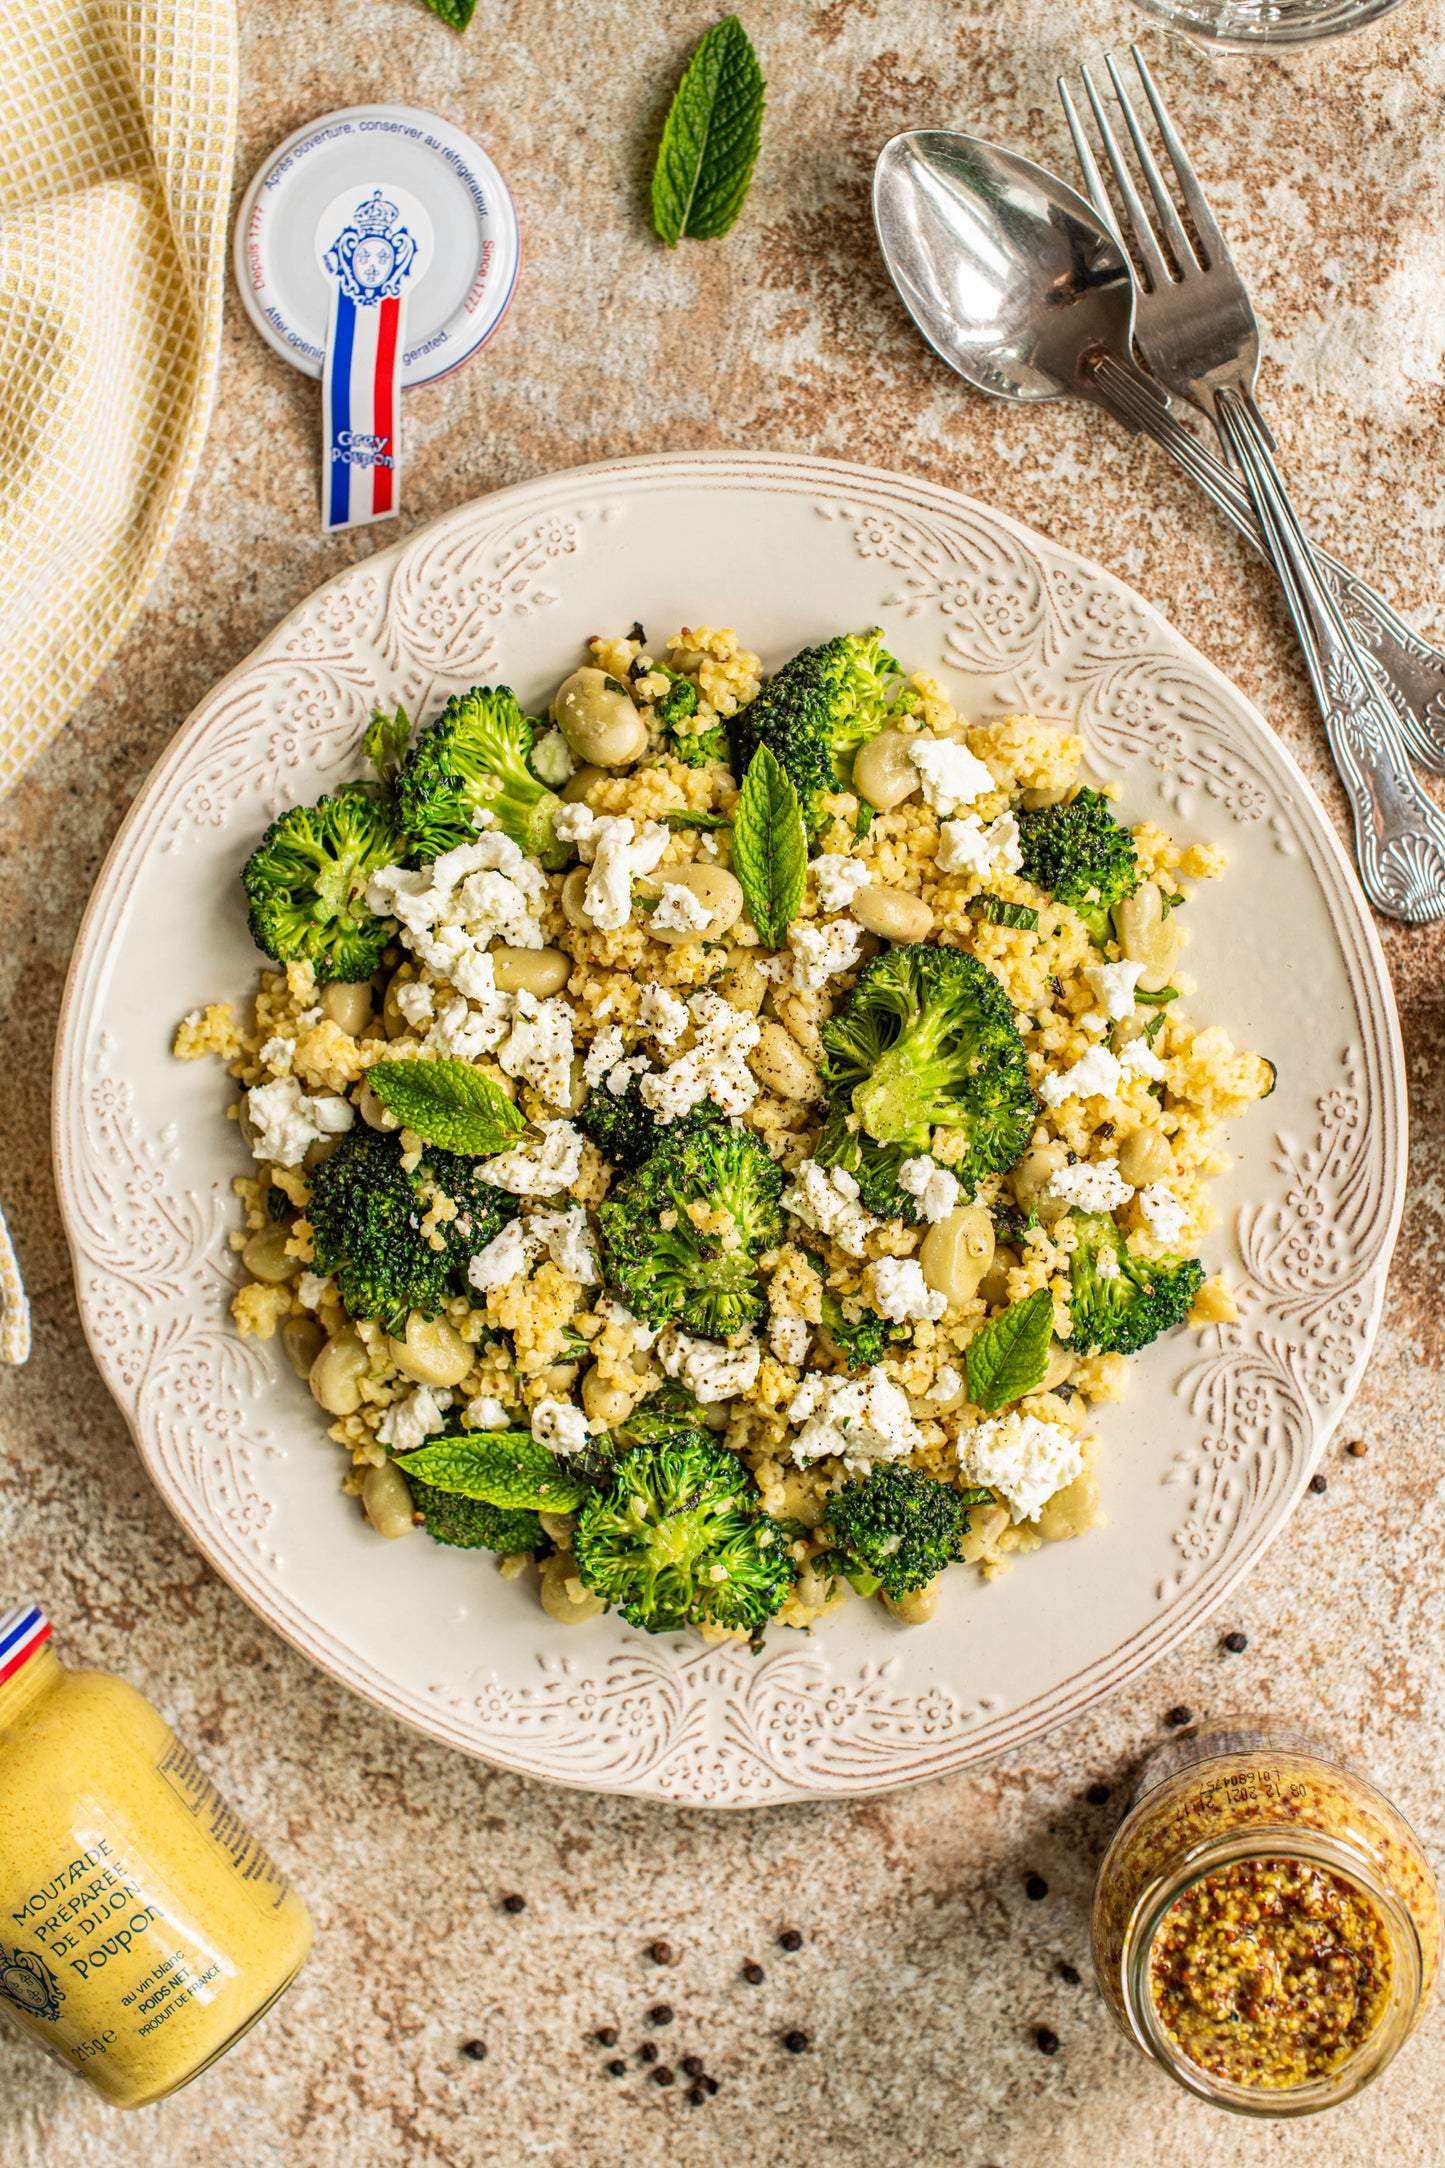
[(143, 1929)]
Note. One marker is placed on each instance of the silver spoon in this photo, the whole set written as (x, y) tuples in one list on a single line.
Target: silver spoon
[(1015, 283)]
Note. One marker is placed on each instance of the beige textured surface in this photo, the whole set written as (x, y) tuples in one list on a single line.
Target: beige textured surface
[(925, 1967)]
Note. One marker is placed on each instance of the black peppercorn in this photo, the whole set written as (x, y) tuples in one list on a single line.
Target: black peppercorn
[(693, 2065), (1046, 2042), (1357, 1448), (754, 1975), (1069, 1974), (708, 2084), (1319, 1484), (606, 2036), (790, 1939), (1179, 1715), (618, 2068), (1097, 1795), (697, 2096), (796, 2043), (660, 1952), (662, 2075), (1236, 1643), (1036, 1889), (648, 2052), (514, 1903), (660, 2013), (476, 2049)]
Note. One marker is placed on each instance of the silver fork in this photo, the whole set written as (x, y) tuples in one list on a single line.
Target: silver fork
[(1408, 669), (1198, 332)]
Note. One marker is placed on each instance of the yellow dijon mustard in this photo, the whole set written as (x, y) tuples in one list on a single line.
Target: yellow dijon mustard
[(143, 1929)]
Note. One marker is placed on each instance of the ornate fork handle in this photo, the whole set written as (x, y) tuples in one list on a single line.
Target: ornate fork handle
[(1407, 669), (1399, 832)]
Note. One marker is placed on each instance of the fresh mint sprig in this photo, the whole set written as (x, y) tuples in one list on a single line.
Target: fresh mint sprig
[(710, 139), (501, 1468), (770, 851), (447, 1103), (1010, 1357), (455, 13)]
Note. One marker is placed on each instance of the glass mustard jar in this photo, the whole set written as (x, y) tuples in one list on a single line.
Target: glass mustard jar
[(1266, 1926), (143, 1929)]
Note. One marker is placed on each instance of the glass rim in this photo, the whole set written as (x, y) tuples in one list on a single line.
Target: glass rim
[(1224, 28), (1373, 2054)]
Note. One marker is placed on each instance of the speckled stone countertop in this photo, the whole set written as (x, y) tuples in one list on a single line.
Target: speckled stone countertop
[(925, 1970)]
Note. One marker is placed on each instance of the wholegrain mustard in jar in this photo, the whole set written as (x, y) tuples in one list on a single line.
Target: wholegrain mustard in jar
[(143, 1929), (1266, 1925)]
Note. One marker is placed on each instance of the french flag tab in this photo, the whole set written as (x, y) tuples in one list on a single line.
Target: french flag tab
[(21, 1634), (373, 244)]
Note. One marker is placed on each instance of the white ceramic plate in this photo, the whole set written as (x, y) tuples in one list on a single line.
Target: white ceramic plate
[(1219, 1436)]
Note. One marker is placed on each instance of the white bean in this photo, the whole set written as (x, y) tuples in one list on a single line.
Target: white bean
[(883, 772), (574, 889), (917, 1607), (1147, 937), (1060, 1370), (563, 1596), (779, 1063), (575, 789), (985, 1525), (720, 891), (433, 1352), (373, 1113), (303, 1340), (1071, 1510), (387, 1502), (604, 1399), (393, 1022), (348, 1003), (264, 1256), (599, 720), (1031, 1178), (893, 913), (337, 1373), (530, 970), (1146, 1156), (956, 1252)]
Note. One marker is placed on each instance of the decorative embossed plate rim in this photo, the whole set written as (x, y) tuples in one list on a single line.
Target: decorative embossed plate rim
[(1218, 1440)]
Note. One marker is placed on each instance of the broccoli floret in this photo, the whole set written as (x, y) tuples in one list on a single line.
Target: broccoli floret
[(693, 750), (473, 759), (472, 1525), (1079, 853), (818, 710), (898, 1525), (704, 1278), (306, 881), (927, 1040), (1118, 1303), (861, 1343), (670, 1416), (366, 1212), (629, 1132), (678, 1539)]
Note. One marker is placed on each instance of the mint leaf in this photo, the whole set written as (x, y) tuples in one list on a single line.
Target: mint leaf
[(456, 13), (706, 821), (501, 1467), (770, 853), (998, 913), (1010, 1357), (447, 1103), (710, 139), (1156, 1001)]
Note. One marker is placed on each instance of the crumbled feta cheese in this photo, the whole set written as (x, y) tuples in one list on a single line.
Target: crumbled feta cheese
[(715, 1066), (707, 1368), (934, 1187), (487, 1413), (1107, 1264), (310, 1290), (613, 1312), (574, 823), (1114, 986), (1094, 1185), (662, 1014), (462, 1033), (506, 1257), (947, 1385), (559, 1425), (1096, 1073), (539, 1046), (826, 1199), (552, 761), (839, 879), (618, 856), (538, 1169), (277, 1054), (416, 1002), (410, 1422), (788, 1339), (1025, 1458), (1167, 1218), (569, 1243), (482, 891), (821, 951), (1138, 1058), (861, 1422), (605, 1052), (286, 1121), (950, 774), (966, 846), (903, 1293), (680, 910), (308, 1017)]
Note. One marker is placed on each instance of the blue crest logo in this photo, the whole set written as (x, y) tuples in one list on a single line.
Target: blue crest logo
[(373, 253), (28, 1982)]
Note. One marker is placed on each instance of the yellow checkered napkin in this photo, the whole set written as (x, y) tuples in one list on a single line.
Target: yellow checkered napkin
[(117, 132)]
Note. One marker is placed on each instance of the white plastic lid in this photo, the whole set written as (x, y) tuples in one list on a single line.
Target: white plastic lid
[(459, 299)]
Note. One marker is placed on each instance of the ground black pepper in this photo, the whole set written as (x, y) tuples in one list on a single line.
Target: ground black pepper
[(796, 2043), (1046, 2042), (754, 1975), (606, 2036), (1319, 1483), (790, 1939), (1236, 1643), (514, 1903), (1179, 1716), (1036, 1889), (476, 2049)]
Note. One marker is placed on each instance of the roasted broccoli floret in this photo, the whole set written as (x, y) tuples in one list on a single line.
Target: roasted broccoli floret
[(681, 1236), (899, 1526), (818, 710), (474, 759), (670, 1416), (861, 1342), (1118, 1303), (628, 1132), (366, 1215), (678, 1539), (306, 882), (1079, 853), (693, 749), (471, 1524), (927, 1040)]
